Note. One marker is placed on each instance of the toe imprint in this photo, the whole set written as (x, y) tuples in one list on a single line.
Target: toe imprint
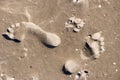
[(15, 32)]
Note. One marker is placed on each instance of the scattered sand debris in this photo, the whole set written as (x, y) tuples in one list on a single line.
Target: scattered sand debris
[(1, 74), (70, 67), (96, 44), (3, 19), (116, 70), (107, 1), (76, 49), (114, 63), (35, 77), (86, 64), (17, 24), (5, 77), (81, 75), (99, 6), (105, 74), (105, 14), (75, 23), (25, 54), (49, 39), (25, 49)]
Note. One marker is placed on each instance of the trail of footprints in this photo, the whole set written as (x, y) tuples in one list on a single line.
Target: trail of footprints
[(95, 42)]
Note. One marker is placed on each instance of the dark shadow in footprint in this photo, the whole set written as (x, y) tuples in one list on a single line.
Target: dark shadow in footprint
[(16, 40), (89, 50), (49, 46), (65, 71), (79, 74), (6, 37), (86, 72)]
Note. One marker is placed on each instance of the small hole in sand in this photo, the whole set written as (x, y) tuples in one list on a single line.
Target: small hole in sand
[(30, 66)]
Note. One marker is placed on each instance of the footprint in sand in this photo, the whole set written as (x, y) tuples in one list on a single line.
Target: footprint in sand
[(18, 32), (95, 44)]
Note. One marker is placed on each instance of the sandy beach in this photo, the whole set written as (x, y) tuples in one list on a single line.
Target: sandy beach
[(31, 57)]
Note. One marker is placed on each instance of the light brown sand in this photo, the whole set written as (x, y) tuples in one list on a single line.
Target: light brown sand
[(51, 15)]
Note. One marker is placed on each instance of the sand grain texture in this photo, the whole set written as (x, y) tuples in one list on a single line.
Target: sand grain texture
[(51, 16)]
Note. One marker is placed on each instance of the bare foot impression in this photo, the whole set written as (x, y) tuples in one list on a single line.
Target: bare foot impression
[(75, 23), (18, 32), (95, 43)]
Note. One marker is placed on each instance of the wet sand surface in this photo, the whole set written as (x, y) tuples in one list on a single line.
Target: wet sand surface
[(31, 58)]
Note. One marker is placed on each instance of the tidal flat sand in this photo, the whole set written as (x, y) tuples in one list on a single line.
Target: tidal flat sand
[(32, 60)]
